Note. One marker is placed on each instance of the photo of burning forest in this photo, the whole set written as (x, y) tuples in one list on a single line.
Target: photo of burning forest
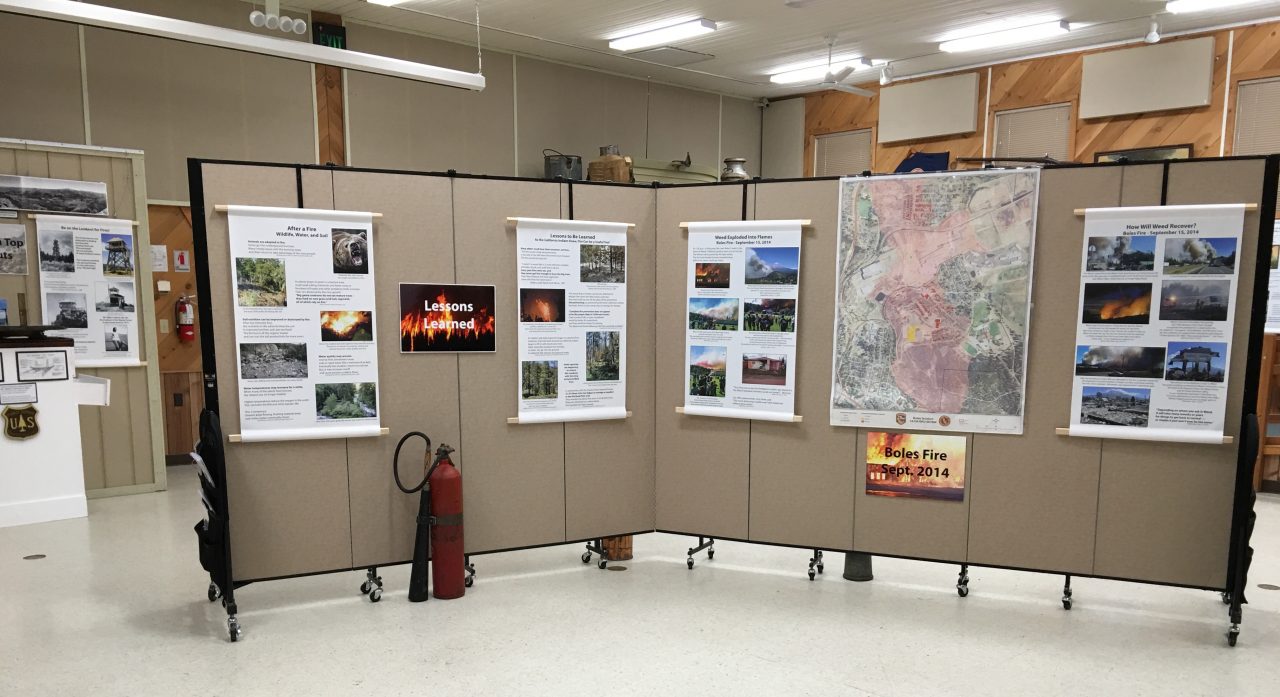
[(603, 351), (66, 310), (602, 263), (1200, 255), (1136, 253), (1275, 256), (916, 466), (776, 266), (707, 370), (717, 314), (346, 400), (764, 369), (446, 318), (769, 315), (273, 361), (346, 325), (1117, 303), (1195, 301), (1120, 361), (711, 275), (542, 304), (1115, 406), (1196, 361), (539, 379), (260, 282)]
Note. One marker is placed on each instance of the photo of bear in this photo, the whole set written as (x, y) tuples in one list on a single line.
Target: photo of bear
[(350, 251)]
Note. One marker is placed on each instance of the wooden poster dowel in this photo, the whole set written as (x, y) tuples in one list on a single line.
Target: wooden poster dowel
[(1247, 207), (1226, 440), (223, 208)]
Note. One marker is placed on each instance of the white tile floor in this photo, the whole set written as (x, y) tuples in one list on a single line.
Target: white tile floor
[(118, 608)]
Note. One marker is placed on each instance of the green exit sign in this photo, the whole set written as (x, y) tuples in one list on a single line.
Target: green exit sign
[(331, 35)]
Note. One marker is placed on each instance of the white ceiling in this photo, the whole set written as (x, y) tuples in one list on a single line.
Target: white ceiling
[(756, 37)]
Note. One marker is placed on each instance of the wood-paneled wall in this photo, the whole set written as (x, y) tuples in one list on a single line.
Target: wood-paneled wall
[(180, 362), (1244, 53)]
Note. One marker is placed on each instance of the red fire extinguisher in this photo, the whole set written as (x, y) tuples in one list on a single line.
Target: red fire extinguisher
[(448, 560), (186, 320)]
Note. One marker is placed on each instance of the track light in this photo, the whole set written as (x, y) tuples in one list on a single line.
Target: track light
[(1006, 37), (258, 18), (663, 35), (1153, 36)]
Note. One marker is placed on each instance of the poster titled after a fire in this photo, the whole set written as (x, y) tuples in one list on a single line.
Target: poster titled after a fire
[(573, 320), (1157, 308), (306, 343)]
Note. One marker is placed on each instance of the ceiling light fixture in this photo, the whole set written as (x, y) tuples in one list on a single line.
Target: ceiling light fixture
[(220, 37), (1007, 37), (1153, 35), (386, 3), (663, 36), (1183, 6), (813, 71)]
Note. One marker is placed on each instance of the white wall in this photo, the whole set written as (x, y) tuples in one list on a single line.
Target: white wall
[(783, 136)]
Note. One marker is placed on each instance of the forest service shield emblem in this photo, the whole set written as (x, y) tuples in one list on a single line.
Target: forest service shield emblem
[(20, 422)]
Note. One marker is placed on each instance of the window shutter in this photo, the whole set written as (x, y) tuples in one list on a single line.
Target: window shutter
[(1257, 128), (1035, 132), (841, 154)]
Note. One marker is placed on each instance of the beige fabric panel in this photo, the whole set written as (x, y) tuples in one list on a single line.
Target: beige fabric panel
[(609, 465), (802, 474), (513, 475), (402, 124), (413, 242), (1033, 498), (1165, 509), (42, 83), (177, 100), (703, 462), (289, 502)]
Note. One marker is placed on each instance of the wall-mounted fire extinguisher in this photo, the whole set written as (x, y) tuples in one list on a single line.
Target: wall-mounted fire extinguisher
[(186, 320)]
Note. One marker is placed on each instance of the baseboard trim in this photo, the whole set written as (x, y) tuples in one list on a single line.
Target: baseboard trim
[(43, 510)]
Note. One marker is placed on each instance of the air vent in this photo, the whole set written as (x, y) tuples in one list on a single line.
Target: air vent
[(672, 56)]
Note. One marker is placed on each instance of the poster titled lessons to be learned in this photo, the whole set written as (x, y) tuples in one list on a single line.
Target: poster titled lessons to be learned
[(573, 320), (1153, 339), (740, 335), (88, 287), (306, 340)]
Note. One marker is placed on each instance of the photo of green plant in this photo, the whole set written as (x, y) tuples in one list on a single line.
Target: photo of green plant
[(260, 282), (346, 400)]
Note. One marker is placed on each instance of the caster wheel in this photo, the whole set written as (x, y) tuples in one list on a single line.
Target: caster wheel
[(962, 591), (468, 581), (1066, 603), (812, 575), (214, 593), (1231, 638), (820, 567), (586, 557), (689, 561), (375, 595), (711, 554), (603, 563), (233, 630), (365, 588), (1226, 598)]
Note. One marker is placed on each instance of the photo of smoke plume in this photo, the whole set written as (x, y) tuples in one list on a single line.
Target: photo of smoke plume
[(1136, 253), (1120, 361), (1199, 300), (542, 304), (1200, 255), (1115, 406), (1117, 303)]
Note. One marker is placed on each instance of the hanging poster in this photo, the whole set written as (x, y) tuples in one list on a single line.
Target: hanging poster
[(52, 195), (4, 312), (740, 335), (13, 249), (88, 287), (306, 344), (1153, 338), (916, 465), (181, 260), (933, 300), (572, 304), (1273, 284), (446, 318)]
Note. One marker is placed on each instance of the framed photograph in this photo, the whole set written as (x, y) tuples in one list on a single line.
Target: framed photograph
[(42, 366), (1167, 152), (40, 194)]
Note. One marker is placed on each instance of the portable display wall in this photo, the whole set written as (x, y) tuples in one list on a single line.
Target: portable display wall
[(1039, 501)]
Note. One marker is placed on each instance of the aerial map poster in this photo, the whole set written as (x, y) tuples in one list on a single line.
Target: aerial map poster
[(933, 290), (1157, 307), (572, 335), (306, 339), (740, 335)]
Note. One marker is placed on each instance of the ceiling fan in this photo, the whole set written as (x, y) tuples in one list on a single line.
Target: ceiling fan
[(834, 79)]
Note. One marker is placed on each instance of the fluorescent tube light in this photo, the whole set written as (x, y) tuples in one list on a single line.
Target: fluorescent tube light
[(663, 35), (1181, 6), (208, 35), (814, 72), (386, 3), (1007, 37)]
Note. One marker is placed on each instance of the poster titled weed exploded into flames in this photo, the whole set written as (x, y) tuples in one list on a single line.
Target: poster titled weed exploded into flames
[(572, 305), (446, 318), (306, 340), (1157, 309), (916, 465)]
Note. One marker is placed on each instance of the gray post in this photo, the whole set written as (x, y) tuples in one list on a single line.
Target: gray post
[(857, 566)]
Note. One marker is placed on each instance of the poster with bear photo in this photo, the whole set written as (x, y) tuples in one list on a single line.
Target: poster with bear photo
[(743, 282), (306, 341), (88, 286), (1156, 320), (572, 304)]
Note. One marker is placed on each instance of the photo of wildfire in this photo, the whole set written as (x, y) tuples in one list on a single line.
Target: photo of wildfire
[(542, 304), (1120, 361), (346, 325), (446, 318), (1117, 303), (915, 465), (711, 275)]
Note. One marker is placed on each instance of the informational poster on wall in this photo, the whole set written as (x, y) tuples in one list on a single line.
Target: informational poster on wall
[(306, 344), (1157, 307), (916, 465), (573, 320), (88, 287), (1273, 285), (933, 300), (740, 336), (13, 249)]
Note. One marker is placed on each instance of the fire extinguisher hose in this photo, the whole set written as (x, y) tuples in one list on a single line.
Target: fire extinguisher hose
[(395, 463)]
